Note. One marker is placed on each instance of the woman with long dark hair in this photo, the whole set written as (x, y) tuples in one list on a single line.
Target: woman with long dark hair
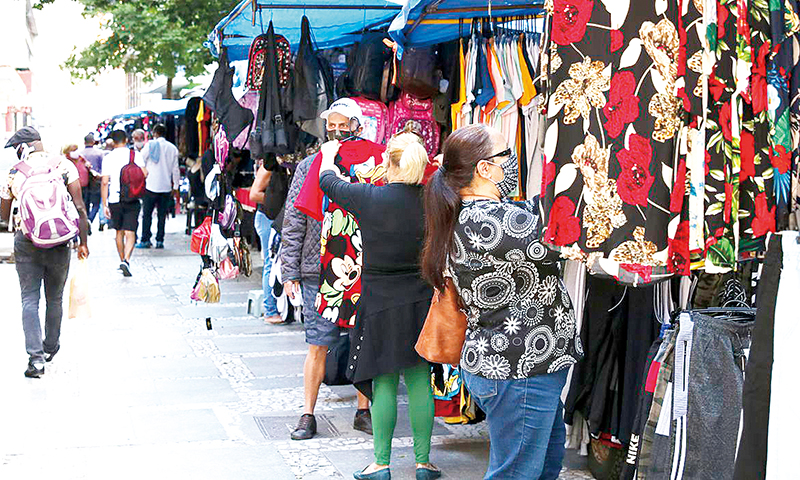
[(521, 337)]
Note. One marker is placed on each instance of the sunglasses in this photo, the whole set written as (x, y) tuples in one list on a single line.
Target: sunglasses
[(505, 153)]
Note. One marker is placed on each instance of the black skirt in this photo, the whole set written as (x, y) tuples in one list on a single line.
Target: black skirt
[(391, 312)]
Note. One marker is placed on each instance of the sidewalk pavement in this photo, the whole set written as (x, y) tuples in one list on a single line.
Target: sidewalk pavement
[(143, 390)]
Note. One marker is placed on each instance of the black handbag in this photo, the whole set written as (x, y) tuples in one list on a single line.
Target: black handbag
[(336, 362)]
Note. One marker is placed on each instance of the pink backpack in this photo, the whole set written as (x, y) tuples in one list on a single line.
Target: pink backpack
[(376, 119), (409, 107), (49, 218)]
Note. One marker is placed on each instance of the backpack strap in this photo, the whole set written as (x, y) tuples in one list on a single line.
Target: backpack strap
[(132, 157), (23, 168)]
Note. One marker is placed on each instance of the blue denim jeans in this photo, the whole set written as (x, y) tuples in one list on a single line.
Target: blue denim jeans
[(526, 425), (263, 227), (37, 266)]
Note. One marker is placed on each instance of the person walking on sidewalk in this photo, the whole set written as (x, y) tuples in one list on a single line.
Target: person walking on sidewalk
[(521, 337), (263, 226), (71, 153), (42, 255), (138, 139), (163, 180), (300, 269), (394, 298), (95, 158), (123, 212)]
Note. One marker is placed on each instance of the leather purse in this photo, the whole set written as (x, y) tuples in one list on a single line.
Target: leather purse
[(445, 329)]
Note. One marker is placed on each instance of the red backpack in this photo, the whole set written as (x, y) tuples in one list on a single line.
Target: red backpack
[(131, 180)]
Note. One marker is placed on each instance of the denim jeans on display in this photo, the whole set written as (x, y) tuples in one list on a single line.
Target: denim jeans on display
[(526, 425), (34, 267), (263, 227)]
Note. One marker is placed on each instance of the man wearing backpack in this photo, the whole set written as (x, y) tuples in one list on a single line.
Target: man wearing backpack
[(163, 180), (41, 241), (124, 177)]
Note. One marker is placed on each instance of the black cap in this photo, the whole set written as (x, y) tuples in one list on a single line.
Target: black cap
[(90, 139), (23, 135)]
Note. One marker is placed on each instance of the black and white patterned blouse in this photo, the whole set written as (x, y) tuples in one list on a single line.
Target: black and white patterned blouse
[(520, 318)]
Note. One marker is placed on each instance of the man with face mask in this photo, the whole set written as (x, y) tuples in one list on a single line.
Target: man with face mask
[(138, 137), (330, 288)]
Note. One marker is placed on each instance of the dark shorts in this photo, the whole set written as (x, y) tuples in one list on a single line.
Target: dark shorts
[(125, 215), (319, 331)]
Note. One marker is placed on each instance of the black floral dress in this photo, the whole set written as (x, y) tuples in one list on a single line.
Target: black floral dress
[(613, 120)]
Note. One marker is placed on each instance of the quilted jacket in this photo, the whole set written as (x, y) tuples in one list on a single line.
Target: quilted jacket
[(300, 238)]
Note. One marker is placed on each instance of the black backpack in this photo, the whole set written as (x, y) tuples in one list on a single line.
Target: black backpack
[(419, 72), (369, 59)]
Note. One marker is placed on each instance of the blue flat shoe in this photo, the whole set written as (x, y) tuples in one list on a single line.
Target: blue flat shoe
[(428, 474), (384, 474)]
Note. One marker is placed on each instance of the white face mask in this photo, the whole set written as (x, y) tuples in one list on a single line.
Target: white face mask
[(138, 145)]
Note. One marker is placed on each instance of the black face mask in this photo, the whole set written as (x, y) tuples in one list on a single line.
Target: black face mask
[(338, 135)]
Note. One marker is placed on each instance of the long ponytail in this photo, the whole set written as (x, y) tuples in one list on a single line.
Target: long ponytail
[(462, 151)]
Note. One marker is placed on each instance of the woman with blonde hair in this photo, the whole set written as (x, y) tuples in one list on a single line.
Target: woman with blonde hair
[(394, 300)]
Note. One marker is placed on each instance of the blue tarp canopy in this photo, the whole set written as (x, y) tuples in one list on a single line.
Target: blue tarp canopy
[(428, 22), (334, 23), (159, 107)]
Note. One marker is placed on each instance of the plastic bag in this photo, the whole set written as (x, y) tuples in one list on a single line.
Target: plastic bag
[(207, 288), (218, 248), (79, 292)]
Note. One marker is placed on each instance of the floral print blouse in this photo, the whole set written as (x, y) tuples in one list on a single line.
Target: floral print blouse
[(520, 318), (672, 139)]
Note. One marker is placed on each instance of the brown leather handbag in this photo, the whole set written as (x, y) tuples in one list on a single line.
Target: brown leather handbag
[(445, 328)]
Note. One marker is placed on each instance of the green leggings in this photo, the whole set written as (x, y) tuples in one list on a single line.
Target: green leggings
[(420, 412)]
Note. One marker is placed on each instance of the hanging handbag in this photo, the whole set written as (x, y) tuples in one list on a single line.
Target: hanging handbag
[(445, 329)]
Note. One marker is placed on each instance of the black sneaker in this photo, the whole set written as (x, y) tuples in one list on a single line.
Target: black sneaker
[(363, 421), (101, 227), (33, 371), (126, 269), (48, 357), (306, 428), (159, 245)]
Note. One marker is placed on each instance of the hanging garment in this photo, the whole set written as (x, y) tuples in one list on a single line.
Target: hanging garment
[(249, 101), (190, 130), (751, 458), (341, 249), (313, 84), (219, 98), (612, 123), (619, 324)]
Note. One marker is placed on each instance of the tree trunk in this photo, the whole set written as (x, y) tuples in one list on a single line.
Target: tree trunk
[(169, 88)]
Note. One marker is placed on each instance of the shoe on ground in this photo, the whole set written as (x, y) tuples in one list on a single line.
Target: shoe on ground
[(101, 227), (363, 421), (424, 473), (126, 269), (34, 371), (306, 428), (89, 231), (382, 474), (48, 357), (160, 245), (144, 245)]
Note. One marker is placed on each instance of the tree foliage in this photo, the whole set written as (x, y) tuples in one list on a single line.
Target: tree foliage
[(150, 37)]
